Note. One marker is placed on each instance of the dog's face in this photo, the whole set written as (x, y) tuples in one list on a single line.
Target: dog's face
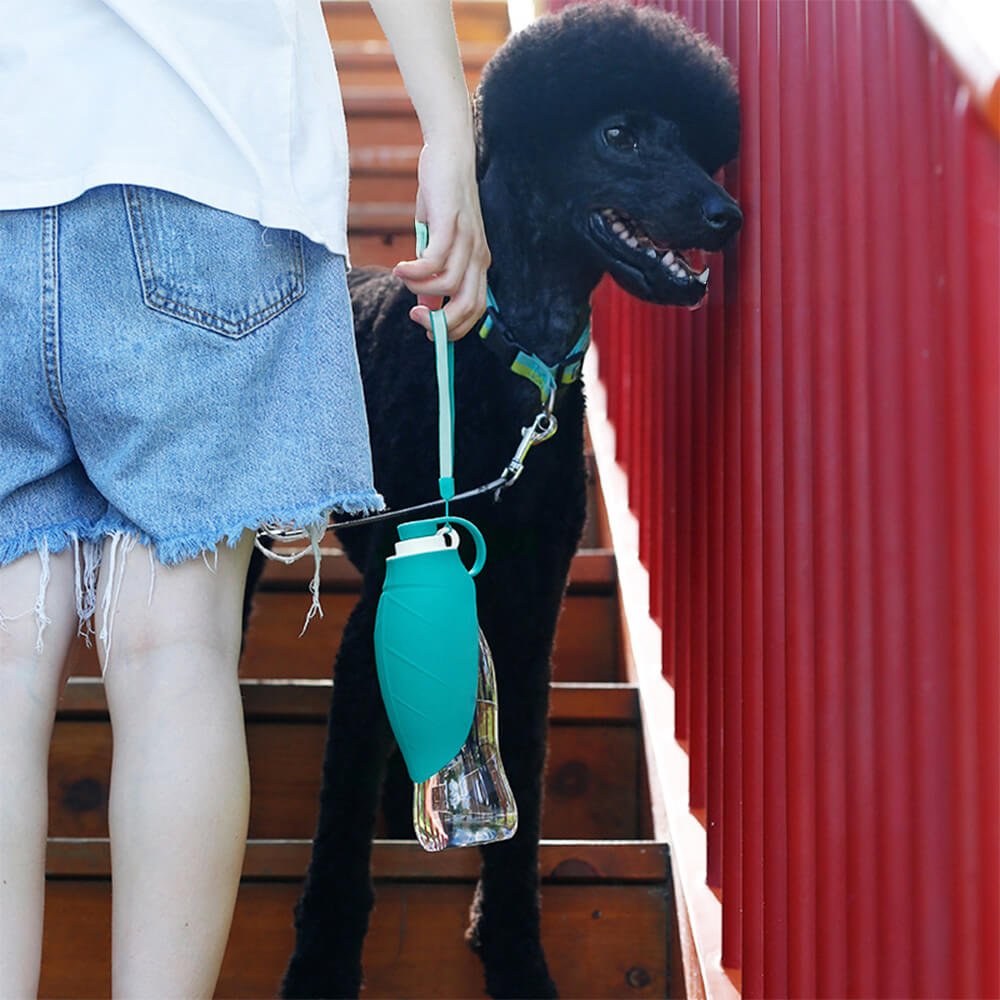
[(608, 121), (639, 201)]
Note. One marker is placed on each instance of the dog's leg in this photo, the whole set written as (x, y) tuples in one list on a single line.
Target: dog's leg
[(505, 917), (331, 918)]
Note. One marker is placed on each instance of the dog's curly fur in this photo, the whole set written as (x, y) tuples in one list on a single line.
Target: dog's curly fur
[(560, 74), (600, 114)]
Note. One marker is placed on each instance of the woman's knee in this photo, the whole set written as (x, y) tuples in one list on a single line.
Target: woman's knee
[(145, 608)]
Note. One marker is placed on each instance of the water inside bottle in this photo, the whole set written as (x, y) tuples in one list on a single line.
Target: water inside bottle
[(469, 800)]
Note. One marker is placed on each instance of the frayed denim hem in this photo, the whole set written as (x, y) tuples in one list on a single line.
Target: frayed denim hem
[(54, 538), (170, 551), (85, 538), (315, 528), (88, 538), (312, 520)]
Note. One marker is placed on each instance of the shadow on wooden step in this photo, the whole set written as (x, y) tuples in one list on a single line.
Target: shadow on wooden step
[(605, 913), (593, 781)]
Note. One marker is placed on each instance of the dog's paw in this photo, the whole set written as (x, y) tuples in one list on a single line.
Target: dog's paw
[(525, 983), (514, 968), (311, 980)]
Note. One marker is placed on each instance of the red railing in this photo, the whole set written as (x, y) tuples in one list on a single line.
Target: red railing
[(814, 462)]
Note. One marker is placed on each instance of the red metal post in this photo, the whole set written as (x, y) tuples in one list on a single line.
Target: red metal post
[(816, 470)]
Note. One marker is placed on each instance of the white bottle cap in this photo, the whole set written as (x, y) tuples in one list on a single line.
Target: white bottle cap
[(444, 538)]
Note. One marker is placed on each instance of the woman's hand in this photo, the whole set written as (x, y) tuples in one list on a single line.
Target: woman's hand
[(457, 257), (422, 36)]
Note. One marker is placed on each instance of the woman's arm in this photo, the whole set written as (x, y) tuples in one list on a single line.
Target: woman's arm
[(422, 36)]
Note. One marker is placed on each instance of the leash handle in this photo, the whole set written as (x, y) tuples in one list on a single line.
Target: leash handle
[(444, 359)]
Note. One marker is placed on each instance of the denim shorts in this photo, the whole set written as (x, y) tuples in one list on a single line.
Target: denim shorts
[(170, 374)]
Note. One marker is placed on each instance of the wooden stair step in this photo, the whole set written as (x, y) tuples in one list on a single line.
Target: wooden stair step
[(385, 159), (371, 62), (399, 189), (592, 571), (605, 915), (475, 21), (381, 218), (398, 129), (592, 783), (560, 861), (586, 648), (379, 249)]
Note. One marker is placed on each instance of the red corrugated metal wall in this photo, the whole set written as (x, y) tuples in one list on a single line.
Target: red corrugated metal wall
[(814, 460)]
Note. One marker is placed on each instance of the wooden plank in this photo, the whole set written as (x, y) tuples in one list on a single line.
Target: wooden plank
[(371, 62), (380, 249), (376, 99), (274, 647), (575, 861), (586, 647), (373, 186), (309, 700), (475, 21), (381, 217), (601, 940), (382, 130), (392, 159), (592, 570), (590, 784)]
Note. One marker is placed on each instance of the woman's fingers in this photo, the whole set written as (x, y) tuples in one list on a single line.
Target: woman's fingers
[(456, 258), (461, 277)]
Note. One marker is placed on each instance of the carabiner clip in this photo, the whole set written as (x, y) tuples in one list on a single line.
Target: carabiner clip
[(541, 429)]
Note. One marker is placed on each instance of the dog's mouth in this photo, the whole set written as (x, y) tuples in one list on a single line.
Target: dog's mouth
[(663, 273)]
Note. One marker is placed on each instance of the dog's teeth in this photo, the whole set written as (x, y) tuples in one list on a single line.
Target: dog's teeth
[(619, 227), (703, 277), (650, 252), (632, 242), (676, 269), (668, 258)]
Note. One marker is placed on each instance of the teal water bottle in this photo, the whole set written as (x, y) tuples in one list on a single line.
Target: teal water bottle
[(434, 666), (469, 800), (439, 688), (427, 642)]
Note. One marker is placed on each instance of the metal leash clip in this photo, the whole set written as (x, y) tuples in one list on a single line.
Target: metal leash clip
[(544, 426), (281, 533)]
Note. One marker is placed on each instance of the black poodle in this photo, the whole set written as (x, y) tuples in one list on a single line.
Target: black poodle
[(599, 130)]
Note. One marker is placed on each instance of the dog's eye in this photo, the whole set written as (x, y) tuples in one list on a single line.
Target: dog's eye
[(620, 137)]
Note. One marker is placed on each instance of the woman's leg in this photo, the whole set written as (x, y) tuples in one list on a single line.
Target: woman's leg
[(180, 794), (30, 683)]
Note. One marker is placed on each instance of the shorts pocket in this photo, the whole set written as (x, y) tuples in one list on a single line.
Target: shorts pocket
[(205, 266)]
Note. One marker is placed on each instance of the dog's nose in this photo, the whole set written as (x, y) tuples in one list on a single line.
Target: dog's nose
[(722, 215)]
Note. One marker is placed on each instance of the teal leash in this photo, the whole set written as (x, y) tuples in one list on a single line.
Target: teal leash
[(495, 334), (444, 358)]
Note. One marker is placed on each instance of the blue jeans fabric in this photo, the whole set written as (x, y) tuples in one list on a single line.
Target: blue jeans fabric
[(173, 373)]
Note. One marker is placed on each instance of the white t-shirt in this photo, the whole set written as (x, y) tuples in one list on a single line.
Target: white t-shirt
[(234, 103)]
